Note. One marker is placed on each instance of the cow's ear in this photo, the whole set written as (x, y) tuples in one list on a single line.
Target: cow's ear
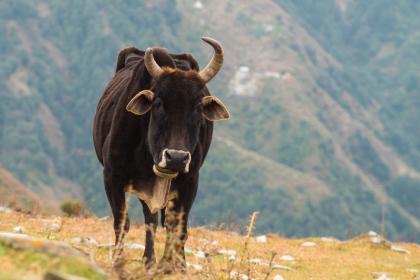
[(214, 109), (141, 103)]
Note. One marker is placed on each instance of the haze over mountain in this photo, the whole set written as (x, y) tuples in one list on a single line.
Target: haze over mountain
[(324, 97)]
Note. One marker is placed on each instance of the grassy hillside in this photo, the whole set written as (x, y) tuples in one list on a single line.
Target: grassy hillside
[(323, 97), (14, 194), (327, 258)]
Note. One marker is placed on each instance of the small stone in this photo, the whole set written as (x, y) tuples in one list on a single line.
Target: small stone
[(188, 250), (287, 258), (231, 258), (282, 267), (233, 274), (258, 261), (200, 254), (372, 233), (381, 275), (278, 277), (84, 240), (399, 249), (135, 246), (195, 266), (308, 244), (5, 210), (105, 218), (328, 239), (214, 242), (54, 227), (76, 240), (90, 241), (375, 240), (19, 229), (261, 239), (227, 252), (412, 270)]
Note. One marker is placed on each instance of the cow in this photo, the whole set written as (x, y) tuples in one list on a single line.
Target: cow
[(152, 130)]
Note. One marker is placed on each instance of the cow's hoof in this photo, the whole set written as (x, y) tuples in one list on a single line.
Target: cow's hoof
[(149, 263), (170, 266)]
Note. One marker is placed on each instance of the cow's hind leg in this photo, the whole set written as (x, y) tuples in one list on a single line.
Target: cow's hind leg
[(150, 221), (114, 186)]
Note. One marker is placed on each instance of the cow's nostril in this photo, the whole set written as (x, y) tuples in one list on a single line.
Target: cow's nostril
[(186, 158), (168, 156)]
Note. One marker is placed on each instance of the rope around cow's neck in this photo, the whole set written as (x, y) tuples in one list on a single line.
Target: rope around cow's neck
[(164, 173)]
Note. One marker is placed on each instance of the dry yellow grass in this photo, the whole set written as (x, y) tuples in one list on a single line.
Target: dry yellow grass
[(329, 259)]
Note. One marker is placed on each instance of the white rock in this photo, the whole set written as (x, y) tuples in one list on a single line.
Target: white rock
[(195, 266), (76, 240), (287, 258), (282, 267), (372, 233), (135, 246), (227, 252), (19, 229), (399, 249), (105, 218), (188, 250), (200, 254), (328, 239), (84, 240), (381, 275), (272, 74), (412, 270), (89, 241), (258, 261), (54, 227), (232, 258), (198, 5), (375, 239), (214, 242), (308, 244), (5, 210), (261, 239), (233, 274), (278, 277)]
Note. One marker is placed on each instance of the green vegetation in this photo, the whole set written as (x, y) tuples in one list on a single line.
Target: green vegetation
[(19, 264), (73, 208)]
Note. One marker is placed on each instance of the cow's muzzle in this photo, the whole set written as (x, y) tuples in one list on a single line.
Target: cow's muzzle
[(172, 163)]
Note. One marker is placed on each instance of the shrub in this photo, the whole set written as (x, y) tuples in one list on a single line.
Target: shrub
[(73, 208)]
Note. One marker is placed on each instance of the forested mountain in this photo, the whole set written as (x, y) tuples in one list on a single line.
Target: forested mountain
[(324, 96)]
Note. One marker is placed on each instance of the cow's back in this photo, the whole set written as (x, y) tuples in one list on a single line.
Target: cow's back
[(114, 95)]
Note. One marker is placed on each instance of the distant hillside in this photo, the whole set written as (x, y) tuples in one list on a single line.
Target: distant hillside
[(14, 194), (324, 99)]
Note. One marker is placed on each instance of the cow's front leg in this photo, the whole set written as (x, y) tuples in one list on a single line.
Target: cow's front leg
[(150, 221), (114, 186), (176, 223), (176, 236)]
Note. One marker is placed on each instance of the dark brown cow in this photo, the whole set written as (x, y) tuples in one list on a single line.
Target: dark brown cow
[(152, 130)]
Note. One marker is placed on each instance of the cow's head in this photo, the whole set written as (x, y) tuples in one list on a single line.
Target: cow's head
[(178, 107)]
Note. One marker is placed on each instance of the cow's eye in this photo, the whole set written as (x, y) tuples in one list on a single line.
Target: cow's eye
[(157, 104)]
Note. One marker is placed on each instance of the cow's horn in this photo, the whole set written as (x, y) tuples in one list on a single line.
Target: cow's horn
[(216, 61), (152, 67)]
